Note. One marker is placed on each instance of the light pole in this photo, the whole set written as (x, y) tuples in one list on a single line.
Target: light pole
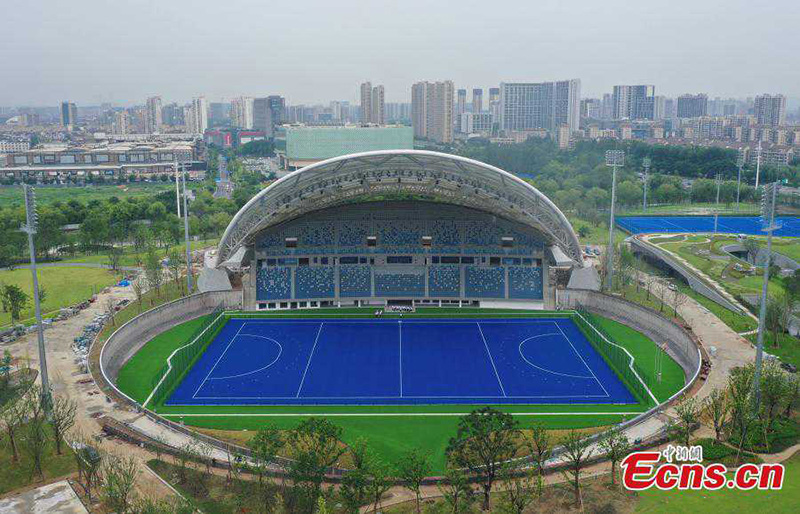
[(740, 165), (716, 207), (177, 188), (30, 226), (186, 237), (615, 159), (770, 224), (758, 163), (646, 163)]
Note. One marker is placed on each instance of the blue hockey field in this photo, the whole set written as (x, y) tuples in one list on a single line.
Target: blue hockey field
[(750, 225), (400, 362)]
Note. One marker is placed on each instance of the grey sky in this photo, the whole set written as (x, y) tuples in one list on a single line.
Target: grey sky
[(90, 51)]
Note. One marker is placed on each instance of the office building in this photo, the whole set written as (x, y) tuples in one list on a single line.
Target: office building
[(633, 102), (461, 103), (242, 112), (152, 112), (69, 114), (692, 106), (544, 105), (476, 123), (432, 110), (477, 100), (770, 110), (268, 113)]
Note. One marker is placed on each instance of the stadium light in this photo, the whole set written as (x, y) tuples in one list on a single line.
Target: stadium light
[(30, 227), (768, 199), (758, 163), (186, 236), (740, 165), (615, 159), (716, 207), (646, 164)]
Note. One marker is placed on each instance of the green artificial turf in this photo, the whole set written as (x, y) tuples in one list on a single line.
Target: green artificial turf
[(138, 374)]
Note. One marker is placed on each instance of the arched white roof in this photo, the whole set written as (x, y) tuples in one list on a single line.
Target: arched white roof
[(447, 178)]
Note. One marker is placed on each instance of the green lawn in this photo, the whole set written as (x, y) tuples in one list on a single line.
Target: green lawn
[(727, 500), (16, 475), (132, 258), (12, 196), (63, 286)]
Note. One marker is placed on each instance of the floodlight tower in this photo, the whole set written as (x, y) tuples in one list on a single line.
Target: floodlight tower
[(740, 165), (177, 189), (646, 163), (30, 227), (716, 210), (758, 163), (186, 236), (771, 224), (614, 159)]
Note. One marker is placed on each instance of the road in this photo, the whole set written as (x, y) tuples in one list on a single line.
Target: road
[(224, 184)]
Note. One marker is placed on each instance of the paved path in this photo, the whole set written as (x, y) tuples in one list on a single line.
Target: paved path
[(57, 497)]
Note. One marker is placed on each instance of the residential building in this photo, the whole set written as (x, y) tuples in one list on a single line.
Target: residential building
[(545, 105), (477, 100), (770, 110), (14, 146), (494, 103), (268, 113), (197, 116), (591, 108), (563, 136), (378, 106), (659, 107), (242, 112), (461, 103), (432, 110), (633, 102), (476, 123), (121, 123), (398, 113), (219, 114), (69, 114), (153, 119), (172, 115), (692, 106), (366, 102)]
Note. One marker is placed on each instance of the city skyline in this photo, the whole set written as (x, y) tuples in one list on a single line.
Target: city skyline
[(230, 54)]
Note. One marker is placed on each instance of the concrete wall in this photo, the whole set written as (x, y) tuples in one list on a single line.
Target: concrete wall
[(680, 344), (131, 336)]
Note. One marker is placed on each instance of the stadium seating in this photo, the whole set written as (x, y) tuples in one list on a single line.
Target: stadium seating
[(399, 283), (399, 232), (274, 283), (484, 282), (314, 282), (319, 233), (445, 233), (353, 233), (354, 281), (525, 283), (444, 280)]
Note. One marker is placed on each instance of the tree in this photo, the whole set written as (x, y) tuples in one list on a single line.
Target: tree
[(678, 299), (485, 439), (62, 418), (616, 445), (516, 489), (379, 482), (751, 246), (716, 411), (139, 284), (175, 266), (457, 491), (119, 479), (35, 440), (315, 447), (12, 418), (355, 484), (576, 452), (266, 444), (152, 270), (539, 446), (412, 469), (687, 418), (16, 300)]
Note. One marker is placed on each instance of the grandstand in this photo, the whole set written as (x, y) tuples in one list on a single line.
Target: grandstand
[(402, 226)]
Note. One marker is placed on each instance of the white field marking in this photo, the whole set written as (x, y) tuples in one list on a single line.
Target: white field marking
[(310, 355), (630, 362), (679, 227), (581, 358), (383, 414), (280, 352), (486, 345), (541, 368), (470, 398), (169, 359), (433, 321), (219, 359), (400, 336)]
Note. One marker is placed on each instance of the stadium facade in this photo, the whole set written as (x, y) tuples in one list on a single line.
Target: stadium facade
[(398, 226)]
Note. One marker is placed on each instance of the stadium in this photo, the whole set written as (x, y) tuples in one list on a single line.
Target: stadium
[(398, 283)]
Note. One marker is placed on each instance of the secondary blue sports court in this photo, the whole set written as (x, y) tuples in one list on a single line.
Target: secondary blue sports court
[(400, 362), (750, 225)]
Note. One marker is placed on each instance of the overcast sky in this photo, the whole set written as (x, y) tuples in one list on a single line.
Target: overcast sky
[(92, 51)]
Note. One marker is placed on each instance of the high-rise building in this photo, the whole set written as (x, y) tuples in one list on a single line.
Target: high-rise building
[(543, 105), (197, 116), (607, 107), (432, 110), (634, 102), (242, 112), (69, 114), (461, 103), (152, 112), (378, 107), (120, 125), (494, 103), (366, 102), (591, 108), (477, 100), (659, 106), (398, 112), (770, 110), (268, 113), (172, 115), (219, 114), (692, 106)]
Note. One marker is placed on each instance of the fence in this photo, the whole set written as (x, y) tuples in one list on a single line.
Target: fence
[(617, 358), (182, 359)]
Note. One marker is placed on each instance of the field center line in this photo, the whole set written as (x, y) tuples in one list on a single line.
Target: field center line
[(310, 355), (219, 359), (486, 345), (400, 335), (581, 358)]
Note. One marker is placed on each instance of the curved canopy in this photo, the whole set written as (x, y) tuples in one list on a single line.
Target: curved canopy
[(447, 178)]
